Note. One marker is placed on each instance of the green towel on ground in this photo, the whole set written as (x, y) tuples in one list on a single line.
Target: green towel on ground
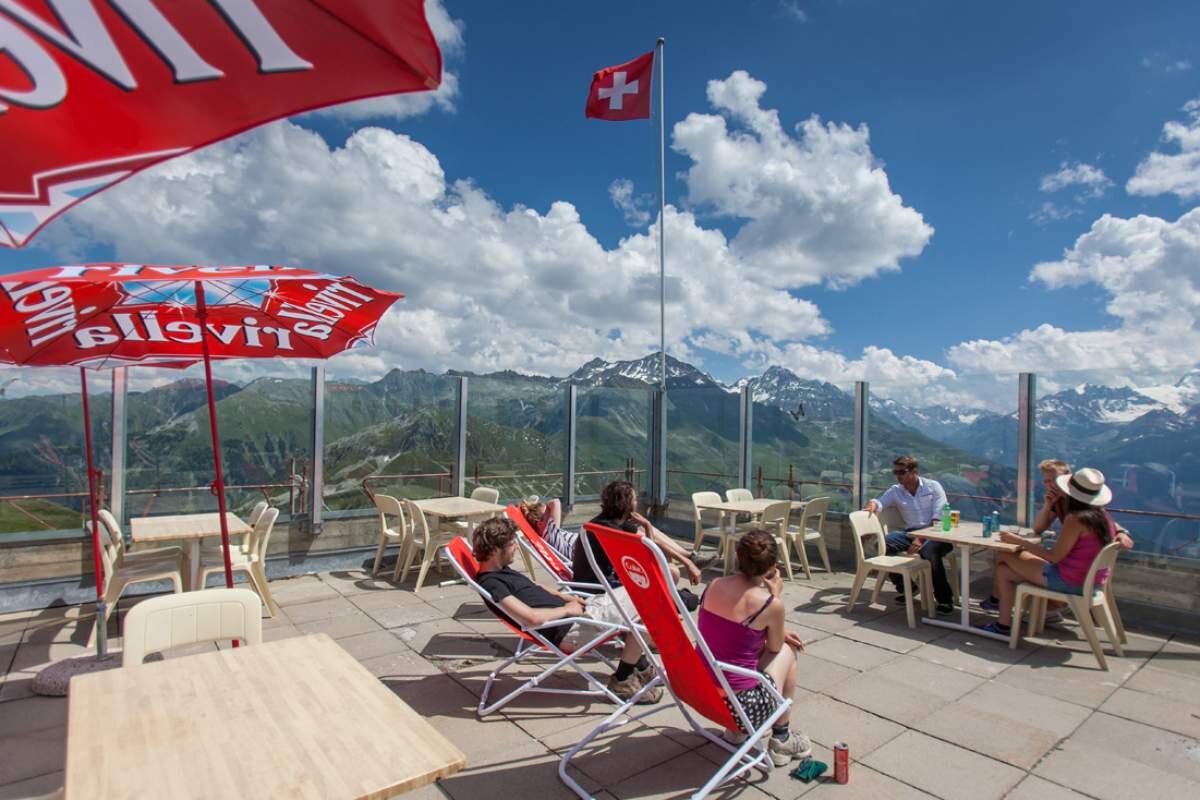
[(809, 770)]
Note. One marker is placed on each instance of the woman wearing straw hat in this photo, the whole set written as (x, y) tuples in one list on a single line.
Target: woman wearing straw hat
[(1086, 529)]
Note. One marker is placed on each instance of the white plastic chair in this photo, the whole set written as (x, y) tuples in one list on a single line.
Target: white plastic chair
[(775, 521), (133, 556), (252, 563), (464, 527), (485, 494), (176, 620), (812, 522), (121, 572), (387, 506), (892, 520), (425, 539), (907, 567), (1093, 604), (208, 550), (699, 498), (738, 495)]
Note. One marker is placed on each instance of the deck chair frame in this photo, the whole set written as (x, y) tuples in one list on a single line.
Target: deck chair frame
[(533, 642), (624, 548), (549, 559)]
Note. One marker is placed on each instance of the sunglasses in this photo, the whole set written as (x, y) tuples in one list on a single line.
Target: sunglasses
[(900, 472)]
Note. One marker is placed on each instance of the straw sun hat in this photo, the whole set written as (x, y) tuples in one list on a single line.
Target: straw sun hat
[(1086, 486)]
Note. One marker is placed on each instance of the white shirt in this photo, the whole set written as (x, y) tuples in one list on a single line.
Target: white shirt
[(920, 509)]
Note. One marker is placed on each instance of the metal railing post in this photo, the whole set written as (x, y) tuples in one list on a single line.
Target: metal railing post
[(745, 437), (1026, 413), (316, 493), (569, 430), (862, 400), (658, 448), (120, 385), (460, 437)]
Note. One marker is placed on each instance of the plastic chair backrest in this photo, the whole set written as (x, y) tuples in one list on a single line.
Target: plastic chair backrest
[(738, 495), (814, 508), (256, 512), (464, 563), (385, 504), (486, 494), (260, 537), (699, 498), (114, 531), (420, 526), (891, 519), (694, 678), (775, 516), (176, 620), (1105, 559), (863, 523), (545, 553)]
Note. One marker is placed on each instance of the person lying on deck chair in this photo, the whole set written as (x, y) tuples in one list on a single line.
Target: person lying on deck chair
[(546, 518), (494, 545), (619, 510)]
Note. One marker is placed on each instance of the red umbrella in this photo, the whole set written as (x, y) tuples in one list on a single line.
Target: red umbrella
[(111, 315), (96, 91)]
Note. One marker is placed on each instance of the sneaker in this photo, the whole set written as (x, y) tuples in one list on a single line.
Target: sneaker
[(690, 601), (627, 688), (994, 627), (796, 745), (943, 609), (990, 605), (648, 674), (899, 598)]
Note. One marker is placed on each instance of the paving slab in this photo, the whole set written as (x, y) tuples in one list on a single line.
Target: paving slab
[(341, 626), (377, 643), (317, 610), (400, 666), (777, 783), (905, 689), (892, 633), (817, 674), (1154, 747), (300, 590), (526, 771), (1182, 717), (1035, 788), (1178, 656), (32, 753), (827, 721), (977, 655), (619, 754), (865, 784), (404, 613), (1070, 675), (352, 582), (449, 640), (33, 714), (1170, 685), (850, 654), (1101, 773), (943, 769), (42, 787)]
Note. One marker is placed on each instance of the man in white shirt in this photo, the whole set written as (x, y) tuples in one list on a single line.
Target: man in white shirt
[(920, 502)]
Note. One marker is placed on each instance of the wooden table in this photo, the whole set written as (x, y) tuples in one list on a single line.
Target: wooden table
[(966, 536), (457, 507), (754, 508), (189, 528), (291, 718)]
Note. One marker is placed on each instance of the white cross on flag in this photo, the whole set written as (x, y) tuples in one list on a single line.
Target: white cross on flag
[(622, 92)]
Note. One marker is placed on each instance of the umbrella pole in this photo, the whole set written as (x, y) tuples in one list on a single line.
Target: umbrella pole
[(101, 620), (202, 315)]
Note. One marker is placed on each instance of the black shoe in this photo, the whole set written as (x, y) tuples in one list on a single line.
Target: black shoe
[(899, 598), (690, 601), (944, 608)]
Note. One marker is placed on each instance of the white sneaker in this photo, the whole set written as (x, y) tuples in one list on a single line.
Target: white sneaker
[(797, 745)]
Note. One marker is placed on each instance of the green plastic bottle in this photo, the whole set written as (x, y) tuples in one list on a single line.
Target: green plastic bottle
[(946, 517)]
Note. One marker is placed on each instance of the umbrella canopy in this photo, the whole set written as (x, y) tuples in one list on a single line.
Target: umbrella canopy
[(111, 315), (92, 92)]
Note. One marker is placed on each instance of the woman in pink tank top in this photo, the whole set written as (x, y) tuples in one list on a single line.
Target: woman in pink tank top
[(1086, 529), (741, 621)]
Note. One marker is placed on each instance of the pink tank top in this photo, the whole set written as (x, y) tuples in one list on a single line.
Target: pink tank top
[(1074, 567), (733, 642)]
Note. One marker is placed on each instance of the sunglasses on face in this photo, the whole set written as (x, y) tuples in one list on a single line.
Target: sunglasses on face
[(901, 472)]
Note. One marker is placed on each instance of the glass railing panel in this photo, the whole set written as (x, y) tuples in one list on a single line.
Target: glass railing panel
[(43, 474), (386, 432), (961, 430), (702, 441), (264, 412), (803, 445), (612, 439), (515, 437)]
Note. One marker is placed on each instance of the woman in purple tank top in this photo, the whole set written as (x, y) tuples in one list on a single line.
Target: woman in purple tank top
[(741, 620), (1086, 529)]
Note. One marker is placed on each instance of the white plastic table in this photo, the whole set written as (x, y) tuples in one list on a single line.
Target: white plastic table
[(188, 528)]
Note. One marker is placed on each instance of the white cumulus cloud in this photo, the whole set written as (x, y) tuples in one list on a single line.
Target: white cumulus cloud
[(1173, 173), (1091, 180)]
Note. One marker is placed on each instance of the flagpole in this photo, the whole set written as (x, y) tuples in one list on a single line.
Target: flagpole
[(662, 223)]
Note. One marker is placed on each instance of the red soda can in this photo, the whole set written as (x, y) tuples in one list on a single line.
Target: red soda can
[(841, 762)]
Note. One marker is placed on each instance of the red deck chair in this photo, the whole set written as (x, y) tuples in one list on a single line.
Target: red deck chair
[(694, 678), (556, 564), (533, 641)]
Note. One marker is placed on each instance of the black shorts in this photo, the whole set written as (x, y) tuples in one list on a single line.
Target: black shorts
[(758, 702)]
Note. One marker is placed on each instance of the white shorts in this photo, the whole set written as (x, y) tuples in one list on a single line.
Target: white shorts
[(601, 608)]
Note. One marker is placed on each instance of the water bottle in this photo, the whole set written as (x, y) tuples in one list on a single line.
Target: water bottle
[(995, 522), (946, 517), (987, 526)]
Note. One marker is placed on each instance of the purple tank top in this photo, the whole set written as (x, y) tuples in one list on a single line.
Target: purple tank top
[(733, 642), (1075, 565)]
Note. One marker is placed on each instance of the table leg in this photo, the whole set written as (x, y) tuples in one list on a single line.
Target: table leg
[(964, 589), (193, 565)]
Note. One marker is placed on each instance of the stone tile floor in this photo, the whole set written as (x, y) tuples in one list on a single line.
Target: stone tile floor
[(927, 712)]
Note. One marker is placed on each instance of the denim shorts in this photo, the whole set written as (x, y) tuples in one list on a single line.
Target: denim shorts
[(1055, 582)]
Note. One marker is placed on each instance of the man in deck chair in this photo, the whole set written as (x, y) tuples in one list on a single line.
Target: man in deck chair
[(494, 545)]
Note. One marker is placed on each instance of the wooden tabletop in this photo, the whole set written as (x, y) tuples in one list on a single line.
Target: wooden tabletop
[(457, 507), (183, 526), (971, 533), (756, 506), (291, 718)]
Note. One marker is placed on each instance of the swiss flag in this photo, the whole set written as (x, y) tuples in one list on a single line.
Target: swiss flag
[(622, 92)]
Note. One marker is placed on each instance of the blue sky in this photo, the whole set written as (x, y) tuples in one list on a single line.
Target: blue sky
[(970, 107)]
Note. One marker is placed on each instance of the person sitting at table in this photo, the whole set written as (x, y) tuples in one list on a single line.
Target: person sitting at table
[(920, 502), (742, 621), (1054, 509), (618, 509), (1086, 529), (494, 545), (546, 518)]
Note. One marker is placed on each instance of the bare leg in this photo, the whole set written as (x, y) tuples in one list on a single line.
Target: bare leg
[(632, 652), (781, 667), (1027, 568)]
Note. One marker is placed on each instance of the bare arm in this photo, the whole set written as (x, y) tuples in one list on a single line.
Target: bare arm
[(1046, 514), (1072, 529), (554, 511), (669, 546), (532, 617)]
